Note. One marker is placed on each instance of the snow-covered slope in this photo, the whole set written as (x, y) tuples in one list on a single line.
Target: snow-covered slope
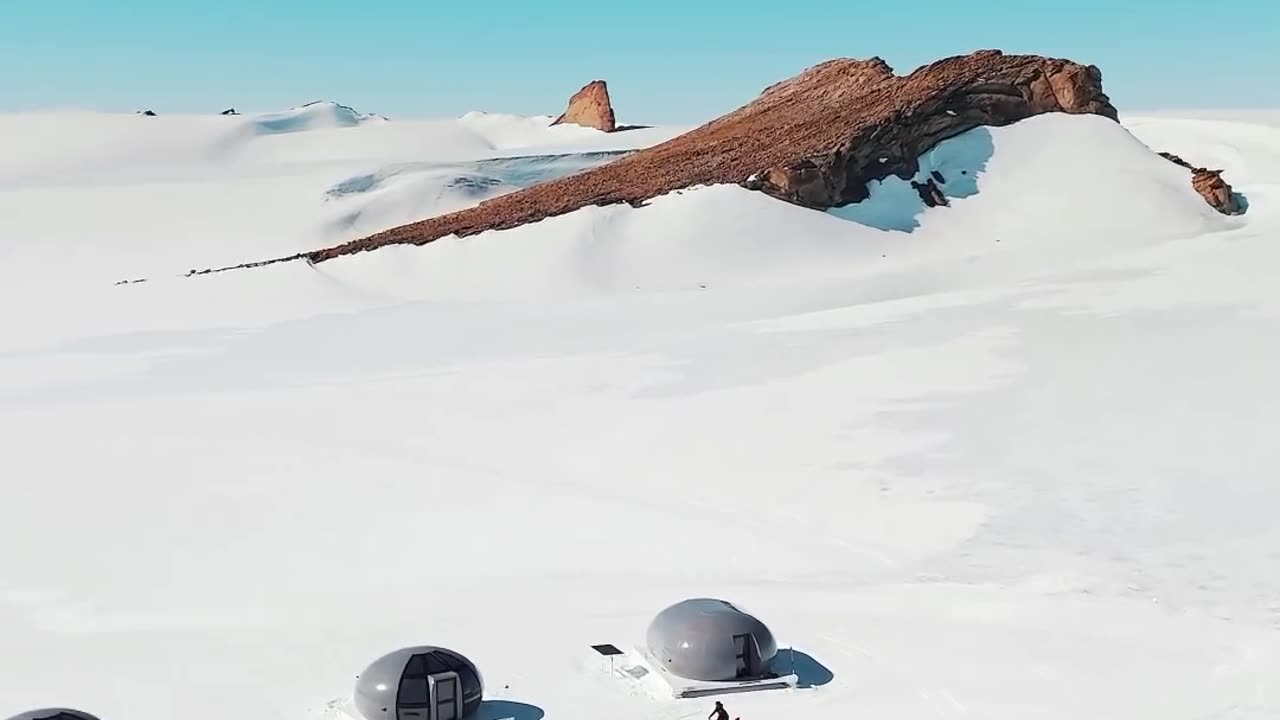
[(109, 197), (1013, 463)]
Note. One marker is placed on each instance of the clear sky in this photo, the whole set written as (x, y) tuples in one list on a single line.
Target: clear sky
[(665, 60)]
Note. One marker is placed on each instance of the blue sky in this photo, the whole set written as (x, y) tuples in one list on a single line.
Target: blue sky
[(666, 61)]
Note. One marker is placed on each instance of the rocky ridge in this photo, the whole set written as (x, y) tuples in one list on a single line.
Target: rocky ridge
[(814, 140)]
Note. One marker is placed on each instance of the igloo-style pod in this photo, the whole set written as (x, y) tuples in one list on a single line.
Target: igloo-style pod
[(419, 683), (711, 640), (54, 714)]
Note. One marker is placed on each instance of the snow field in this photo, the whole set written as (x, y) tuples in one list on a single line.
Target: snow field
[(970, 478)]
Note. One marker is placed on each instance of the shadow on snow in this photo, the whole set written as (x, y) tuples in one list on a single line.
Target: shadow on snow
[(808, 671), (895, 205), (507, 710)]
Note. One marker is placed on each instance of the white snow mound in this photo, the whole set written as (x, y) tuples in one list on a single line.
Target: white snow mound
[(1056, 176), (319, 115)]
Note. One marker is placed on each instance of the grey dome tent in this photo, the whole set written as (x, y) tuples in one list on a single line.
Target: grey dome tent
[(419, 683), (711, 640), (54, 714)]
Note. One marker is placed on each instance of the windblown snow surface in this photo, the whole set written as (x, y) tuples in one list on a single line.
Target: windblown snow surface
[(1009, 459)]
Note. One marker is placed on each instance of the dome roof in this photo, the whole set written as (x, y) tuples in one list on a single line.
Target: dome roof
[(400, 677), (698, 639), (54, 714)]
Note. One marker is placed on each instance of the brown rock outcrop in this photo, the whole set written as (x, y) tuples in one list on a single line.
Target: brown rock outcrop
[(934, 103), (814, 140), (591, 107), (1209, 183)]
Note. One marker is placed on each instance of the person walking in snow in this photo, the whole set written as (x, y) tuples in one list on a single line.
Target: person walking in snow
[(719, 713)]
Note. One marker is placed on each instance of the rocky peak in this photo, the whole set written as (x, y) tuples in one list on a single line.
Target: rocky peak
[(590, 107)]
